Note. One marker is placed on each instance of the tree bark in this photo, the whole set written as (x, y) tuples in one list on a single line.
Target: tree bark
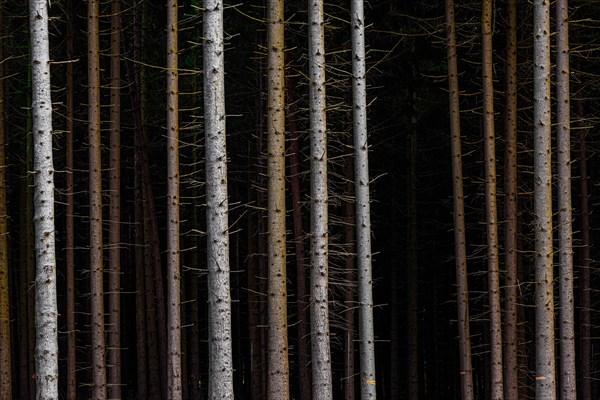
[(319, 218), (462, 291), (173, 268), (544, 298), (510, 359), (220, 385), (278, 366), (363, 205), (491, 210), (114, 234), (568, 379), (46, 313)]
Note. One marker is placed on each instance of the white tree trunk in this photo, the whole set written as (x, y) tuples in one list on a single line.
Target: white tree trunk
[(220, 384), (544, 294), (363, 207), (319, 253), (46, 315)]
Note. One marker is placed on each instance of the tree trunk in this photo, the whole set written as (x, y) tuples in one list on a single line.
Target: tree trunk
[(220, 385), (114, 234), (69, 215), (173, 269), (95, 178), (363, 205), (511, 370), (462, 291), (491, 210), (5, 342), (544, 294), (568, 379), (319, 218), (304, 365), (46, 313), (413, 321), (278, 367)]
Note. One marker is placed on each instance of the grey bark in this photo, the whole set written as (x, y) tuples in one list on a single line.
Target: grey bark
[(544, 298), (46, 314), (363, 206), (319, 252), (220, 384)]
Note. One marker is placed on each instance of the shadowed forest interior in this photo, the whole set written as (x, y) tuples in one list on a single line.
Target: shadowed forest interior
[(225, 160)]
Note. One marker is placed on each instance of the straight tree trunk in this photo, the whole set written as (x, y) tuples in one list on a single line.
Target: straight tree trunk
[(319, 218), (220, 384), (46, 313), (69, 215), (413, 321), (350, 281), (510, 359), (585, 347), (173, 269), (278, 366), (5, 341), (114, 234), (363, 205), (491, 210), (544, 294), (95, 178), (462, 291), (568, 379), (302, 295)]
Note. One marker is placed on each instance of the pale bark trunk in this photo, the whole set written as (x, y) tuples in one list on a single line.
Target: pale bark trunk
[(114, 235), (544, 298), (319, 218), (363, 205), (491, 210), (220, 385), (5, 342), (568, 379), (95, 193), (278, 366), (173, 270), (462, 291), (46, 350), (511, 371)]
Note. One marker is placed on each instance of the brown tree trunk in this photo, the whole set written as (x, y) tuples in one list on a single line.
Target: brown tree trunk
[(464, 341), (114, 234), (511, 370)]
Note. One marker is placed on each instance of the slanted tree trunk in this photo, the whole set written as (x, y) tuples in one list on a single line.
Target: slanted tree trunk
[(114, 234), (363, 204), (46, 313), (5, 342), (278, 366), (462, 291), (95, 178), (544, 294), (319, 216), (220, 384), (510, 359), (173, 269), (69, 215), (491, 210)]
